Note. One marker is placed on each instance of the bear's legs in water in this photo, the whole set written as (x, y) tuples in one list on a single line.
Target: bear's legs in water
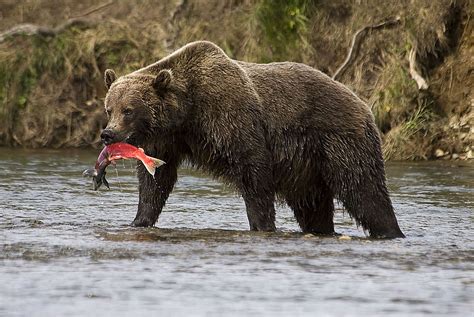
[(315, 210), (371, 207), (354, 170), (153, 193), (259, 196), (260, 213)]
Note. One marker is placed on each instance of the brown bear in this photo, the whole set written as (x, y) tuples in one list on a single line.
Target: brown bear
[(278, 130)]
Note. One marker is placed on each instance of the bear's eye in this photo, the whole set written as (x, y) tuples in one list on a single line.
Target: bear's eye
[(127, 111), (108, 112)]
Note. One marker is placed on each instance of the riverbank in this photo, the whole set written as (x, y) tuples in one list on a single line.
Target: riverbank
[(51, 87)]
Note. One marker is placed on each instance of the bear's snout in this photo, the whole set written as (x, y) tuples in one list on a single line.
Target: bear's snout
[(107, 136)]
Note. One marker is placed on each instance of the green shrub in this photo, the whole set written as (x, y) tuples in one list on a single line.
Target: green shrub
[(283, 24)]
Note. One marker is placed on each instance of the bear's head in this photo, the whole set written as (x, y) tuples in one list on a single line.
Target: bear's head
[(141, 106)]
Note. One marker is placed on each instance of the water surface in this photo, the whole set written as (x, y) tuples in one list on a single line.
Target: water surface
[(67, 250)]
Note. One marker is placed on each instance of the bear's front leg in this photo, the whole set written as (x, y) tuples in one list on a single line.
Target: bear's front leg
[(259, 196), (153, 193)]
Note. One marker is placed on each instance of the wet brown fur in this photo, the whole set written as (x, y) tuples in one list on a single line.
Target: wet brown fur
[(273, 130)]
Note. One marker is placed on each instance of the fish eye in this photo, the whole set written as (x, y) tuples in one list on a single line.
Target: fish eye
[(127, 111)]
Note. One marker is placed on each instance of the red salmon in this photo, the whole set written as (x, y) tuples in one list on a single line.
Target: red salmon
[(117, 151)]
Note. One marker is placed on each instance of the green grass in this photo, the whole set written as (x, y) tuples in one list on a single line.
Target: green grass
[(403, 142), (283, 25), (76, 55), (395, 97)]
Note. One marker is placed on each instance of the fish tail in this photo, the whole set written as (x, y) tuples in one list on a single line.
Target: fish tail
[(153, 164)]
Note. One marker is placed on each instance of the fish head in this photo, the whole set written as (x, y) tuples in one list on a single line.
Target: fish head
[(90, 172), (98, 177)]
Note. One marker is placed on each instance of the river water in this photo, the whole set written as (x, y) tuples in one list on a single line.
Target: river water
[(66, 250)]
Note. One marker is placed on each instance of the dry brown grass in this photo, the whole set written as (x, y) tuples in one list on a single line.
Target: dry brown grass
[(51, 88)]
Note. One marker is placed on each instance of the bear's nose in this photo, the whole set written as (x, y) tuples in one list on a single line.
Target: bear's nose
[(107, 136)]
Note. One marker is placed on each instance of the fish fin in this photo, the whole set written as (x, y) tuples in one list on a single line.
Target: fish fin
[(151, 168)]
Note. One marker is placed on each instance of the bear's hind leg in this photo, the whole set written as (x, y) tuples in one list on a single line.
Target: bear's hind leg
[(371, 207), (354, 170), (314, 211)]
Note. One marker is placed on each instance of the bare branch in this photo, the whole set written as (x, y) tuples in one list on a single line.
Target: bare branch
[(94, 10), (32, 29), (355, 44)]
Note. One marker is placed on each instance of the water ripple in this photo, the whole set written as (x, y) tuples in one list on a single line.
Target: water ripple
[(68, 250)]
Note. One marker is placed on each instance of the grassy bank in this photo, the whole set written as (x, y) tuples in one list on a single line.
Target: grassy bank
[(51, 87)]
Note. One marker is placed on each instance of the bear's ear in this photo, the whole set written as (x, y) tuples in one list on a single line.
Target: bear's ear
[(162, 81), (109, 77)]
